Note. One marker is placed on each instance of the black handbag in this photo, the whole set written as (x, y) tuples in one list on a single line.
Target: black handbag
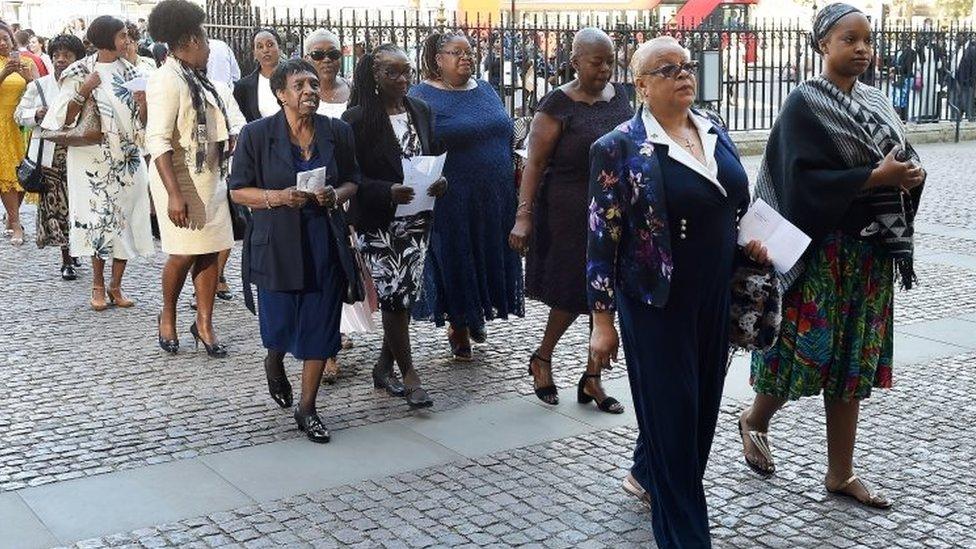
[(755, 310), (355, 291), (29, 172)]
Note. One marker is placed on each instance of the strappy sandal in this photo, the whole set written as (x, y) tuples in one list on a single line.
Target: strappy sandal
[(761, 441), (548, 394), (98, 302), (875, 500), (331, 371), (609, 404), (632, 487), (461, 353)]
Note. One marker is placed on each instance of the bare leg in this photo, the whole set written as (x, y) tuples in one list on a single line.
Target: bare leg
[(205, 284), (757, 418), (98, 295), (174, 275), (396, 338), (841, 432), (311, 378), (65, 256), (118, 269), (11, 203), (559, 321), (222, 258)]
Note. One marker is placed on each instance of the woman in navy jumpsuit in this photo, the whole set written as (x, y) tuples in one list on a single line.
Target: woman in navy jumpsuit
[(667, 190)]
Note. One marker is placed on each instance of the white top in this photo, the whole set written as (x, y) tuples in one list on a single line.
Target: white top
[(267, 102), (401, 125), (29, 103), (222, 65), (332, 110), (656, 134)]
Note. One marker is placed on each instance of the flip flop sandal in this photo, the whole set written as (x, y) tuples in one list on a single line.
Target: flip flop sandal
[(761, 441), (875, 500)]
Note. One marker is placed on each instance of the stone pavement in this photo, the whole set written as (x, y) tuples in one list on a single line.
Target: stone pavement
[(92, 410)]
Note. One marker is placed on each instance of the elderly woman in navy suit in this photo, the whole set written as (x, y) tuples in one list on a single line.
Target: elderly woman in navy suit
[(293, 248), (666, 192)]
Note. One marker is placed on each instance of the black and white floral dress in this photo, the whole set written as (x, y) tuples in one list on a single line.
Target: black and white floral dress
[(396, 254)]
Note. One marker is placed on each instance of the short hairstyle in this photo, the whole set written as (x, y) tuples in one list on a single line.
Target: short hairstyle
[(272, 32), (66, 42), (175, 21), (102, 30), (4, 28), (22, 38), (320, 35), (279, 78), (132, 30), (647, 48)]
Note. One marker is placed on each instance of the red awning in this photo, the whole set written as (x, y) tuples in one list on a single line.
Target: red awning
[(696, 11)]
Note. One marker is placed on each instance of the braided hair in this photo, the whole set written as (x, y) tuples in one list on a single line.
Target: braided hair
[(375, 126), (432, 45)]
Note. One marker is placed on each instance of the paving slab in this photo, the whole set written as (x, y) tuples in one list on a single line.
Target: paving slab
[(496, 426), (293, 467), (83, 508), (19, 526), (912, 349), (954, 331)]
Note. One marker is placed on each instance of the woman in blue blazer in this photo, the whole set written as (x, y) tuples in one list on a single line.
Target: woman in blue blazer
[(666, 192), (294, 250)]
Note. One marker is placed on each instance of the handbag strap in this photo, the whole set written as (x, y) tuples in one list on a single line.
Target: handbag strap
[(40, 92)]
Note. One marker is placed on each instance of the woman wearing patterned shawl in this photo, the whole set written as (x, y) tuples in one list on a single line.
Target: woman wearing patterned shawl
[(108, 203), (189, 134), (837, 165)]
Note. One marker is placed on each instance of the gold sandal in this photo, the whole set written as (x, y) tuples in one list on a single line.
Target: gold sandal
[(875, 500), (761, 441)]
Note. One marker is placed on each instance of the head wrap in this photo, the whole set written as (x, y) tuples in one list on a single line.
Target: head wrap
[(826, 19)]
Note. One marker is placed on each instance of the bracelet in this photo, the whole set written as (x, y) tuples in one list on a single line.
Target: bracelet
[(523, 212), (267, 201)]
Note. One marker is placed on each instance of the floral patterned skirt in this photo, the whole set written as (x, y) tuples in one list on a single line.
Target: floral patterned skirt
[(52, 207), (837, 332), (396, 257)]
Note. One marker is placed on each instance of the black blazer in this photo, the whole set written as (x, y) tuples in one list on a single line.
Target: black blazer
[(246, 94), (379, 160), (272, 254), (966, 71)]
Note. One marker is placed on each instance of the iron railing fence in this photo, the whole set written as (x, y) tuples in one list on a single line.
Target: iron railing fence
[(752, 68)]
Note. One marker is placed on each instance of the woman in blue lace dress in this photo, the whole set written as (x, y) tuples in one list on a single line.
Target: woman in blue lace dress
[(471, 274)]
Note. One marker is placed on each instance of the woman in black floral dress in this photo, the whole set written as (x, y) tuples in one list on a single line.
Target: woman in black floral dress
[(390, 126)]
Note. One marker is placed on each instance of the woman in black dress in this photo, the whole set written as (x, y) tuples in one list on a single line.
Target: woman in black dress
[(550, 225)]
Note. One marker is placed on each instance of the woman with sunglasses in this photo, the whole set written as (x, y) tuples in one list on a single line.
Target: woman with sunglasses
[(324, 52), (666, 191), (472, 275)]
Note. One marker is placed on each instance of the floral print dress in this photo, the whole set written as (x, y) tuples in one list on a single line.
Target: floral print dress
[(108, 194), (396, 254)]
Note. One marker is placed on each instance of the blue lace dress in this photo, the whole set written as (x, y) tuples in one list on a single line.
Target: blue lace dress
[(471, 274)]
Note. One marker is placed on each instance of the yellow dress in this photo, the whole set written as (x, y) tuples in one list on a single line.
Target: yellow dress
[(11, 140)]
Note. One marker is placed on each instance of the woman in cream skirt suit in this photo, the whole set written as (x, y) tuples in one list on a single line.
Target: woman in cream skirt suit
[(189, 135)]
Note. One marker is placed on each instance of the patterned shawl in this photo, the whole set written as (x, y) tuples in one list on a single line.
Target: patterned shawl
[(199, 84), (863, 128), (81, 69)]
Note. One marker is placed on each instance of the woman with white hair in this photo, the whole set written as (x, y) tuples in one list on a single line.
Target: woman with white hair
[(666, 193), (324, 51)]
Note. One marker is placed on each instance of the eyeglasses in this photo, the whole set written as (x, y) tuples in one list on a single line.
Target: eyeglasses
[(459, 53), (673, 71), (406, 74), (318, 55)]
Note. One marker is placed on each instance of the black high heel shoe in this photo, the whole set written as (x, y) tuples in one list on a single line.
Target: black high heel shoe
[(609, 404), (312, 426), (278, 386), (171, 346), (417, 397), (548, 394), (214, 350)]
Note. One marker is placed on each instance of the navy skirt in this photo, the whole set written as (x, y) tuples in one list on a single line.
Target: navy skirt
[(305, 323)]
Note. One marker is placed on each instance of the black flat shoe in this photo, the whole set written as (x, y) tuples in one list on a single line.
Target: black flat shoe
[(389, 383), (479, 334), (224, 294), (609, 404), (171, 346), (68, 272), (548, 394), (76, 262), (214, 350), (417, 398), (313, 428), (278, 386)]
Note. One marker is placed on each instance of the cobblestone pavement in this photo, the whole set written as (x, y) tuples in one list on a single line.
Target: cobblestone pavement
[(88, 393)]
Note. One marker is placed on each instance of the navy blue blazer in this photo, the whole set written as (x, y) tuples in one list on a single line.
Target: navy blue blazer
[(272, 255)]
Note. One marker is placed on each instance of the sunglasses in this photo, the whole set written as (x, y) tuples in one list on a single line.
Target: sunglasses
[(318, 55), (673, 71)]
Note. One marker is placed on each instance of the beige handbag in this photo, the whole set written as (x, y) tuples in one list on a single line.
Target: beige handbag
[(88, 130)]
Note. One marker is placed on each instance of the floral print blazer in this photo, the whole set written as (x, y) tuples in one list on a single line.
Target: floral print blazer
[(629, 242)]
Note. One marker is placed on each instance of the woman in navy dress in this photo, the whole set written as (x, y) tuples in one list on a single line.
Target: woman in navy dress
[(666, 192), (290, 249), (471, 275)]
